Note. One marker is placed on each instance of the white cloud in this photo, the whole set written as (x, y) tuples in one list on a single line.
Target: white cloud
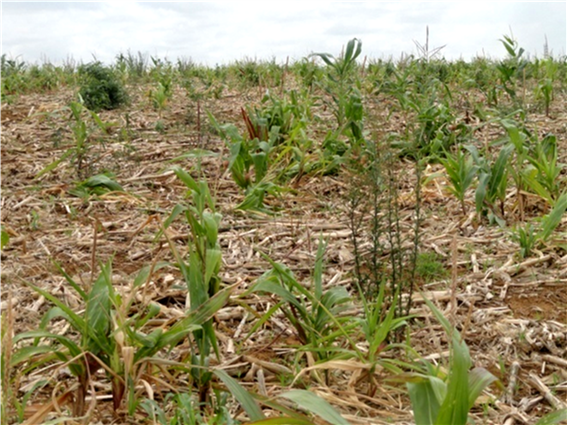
[(220, 32)]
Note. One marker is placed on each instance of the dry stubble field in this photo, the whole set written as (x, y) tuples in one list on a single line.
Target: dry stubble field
[(511, 311)]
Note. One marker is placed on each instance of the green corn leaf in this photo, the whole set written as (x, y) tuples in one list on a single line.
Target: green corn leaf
[(282, 421), (260, 161), (144, 273), (53, 313), (455, 407), (97, 314), (71, 282), (316, 405), (552, 220), (5, 239), (76, 109), (73, 348), (514, 135), (557, 417), (27, 353), (100, 123), (350, 50), (481, 191), (196, 318), (327, 58), (211, 227), (76, 321), (508, 43), (479, 379), (244, 398), (55, 164), (177, 210), (151, 340), (102, 180), (529, 175), (318, 270), (186, 178), (274, 288), (213, 263), (198, 291), (498, 174), (477, 158), (252, 202), (291, 415), (424, 403), (154, 309), (265, 317)]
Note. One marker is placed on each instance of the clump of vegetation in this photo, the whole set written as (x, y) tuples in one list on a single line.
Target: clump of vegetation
[(429, 267), (101, 89)]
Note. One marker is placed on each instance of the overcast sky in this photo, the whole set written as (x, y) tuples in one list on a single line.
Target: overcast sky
[(221, 32)]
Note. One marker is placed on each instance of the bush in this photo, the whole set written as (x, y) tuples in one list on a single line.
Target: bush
[(100, 88)]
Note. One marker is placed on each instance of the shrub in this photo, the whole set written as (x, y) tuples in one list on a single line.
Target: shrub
[(100, 88)]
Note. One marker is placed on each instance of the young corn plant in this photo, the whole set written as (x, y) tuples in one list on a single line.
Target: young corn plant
[(184, 409), (96, 346), (543, 173), (249, 160), (424, 101), (511, 68), (248, 73), (78, 154), (160, 96), (343, 86), (13, 80), (201, 272), (379, 322), (112, 336), (535, 235), (340, 75), (161, 93), (442, 400), (461, 171), (132, 67), (96, 185), (520, 141), (544, 88), (492, 183), (292, 154), (309, 73), (526, 237), (535, 166), (315, 313)]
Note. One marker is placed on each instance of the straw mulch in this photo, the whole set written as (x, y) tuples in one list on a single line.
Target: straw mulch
[(511, 312)]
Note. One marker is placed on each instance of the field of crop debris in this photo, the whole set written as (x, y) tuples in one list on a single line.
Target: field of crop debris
[(332, 240)]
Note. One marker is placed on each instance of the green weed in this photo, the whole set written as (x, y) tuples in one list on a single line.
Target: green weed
[(100, 88)]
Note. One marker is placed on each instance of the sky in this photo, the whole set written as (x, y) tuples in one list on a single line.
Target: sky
[(212, 33)]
